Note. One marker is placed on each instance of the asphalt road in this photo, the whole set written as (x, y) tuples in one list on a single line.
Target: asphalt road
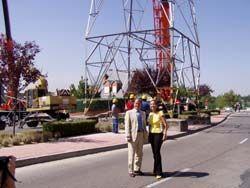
[(215, 158)]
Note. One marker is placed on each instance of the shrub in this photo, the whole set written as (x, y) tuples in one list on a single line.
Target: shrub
[(46, 136), (37, 137), (99, 104), (6, 141), (27, 139), (104, 127), (17, 140), (189, 113), (73, 128)]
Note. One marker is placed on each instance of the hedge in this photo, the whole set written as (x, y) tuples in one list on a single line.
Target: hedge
[(70, 128), (99, 104)]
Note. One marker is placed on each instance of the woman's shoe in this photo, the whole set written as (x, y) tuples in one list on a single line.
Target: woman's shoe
[(158, 177)]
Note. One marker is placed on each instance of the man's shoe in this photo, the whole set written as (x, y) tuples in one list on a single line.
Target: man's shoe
[(132, 175), (138, 173)]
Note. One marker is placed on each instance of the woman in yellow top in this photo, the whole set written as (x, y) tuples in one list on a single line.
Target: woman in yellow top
[(157, 134)]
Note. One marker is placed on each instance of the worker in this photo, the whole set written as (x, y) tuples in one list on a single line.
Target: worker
[(130, 103), (115, 116), (145, 105)]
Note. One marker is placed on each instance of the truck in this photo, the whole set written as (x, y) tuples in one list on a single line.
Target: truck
[(43, 106)]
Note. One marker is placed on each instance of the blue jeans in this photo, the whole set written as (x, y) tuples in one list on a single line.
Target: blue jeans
[(115, 125)]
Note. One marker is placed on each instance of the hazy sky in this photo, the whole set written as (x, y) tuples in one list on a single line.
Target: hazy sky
[(58, 28)]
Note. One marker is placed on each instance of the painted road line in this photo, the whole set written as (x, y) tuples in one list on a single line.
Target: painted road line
[(243, 141), (167, 179)]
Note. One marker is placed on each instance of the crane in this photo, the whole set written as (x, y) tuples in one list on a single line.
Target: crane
[(161, 24), (161, 14)]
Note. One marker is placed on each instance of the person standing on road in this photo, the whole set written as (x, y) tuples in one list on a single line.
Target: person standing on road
[(136, 134), (157, 134), (115, 116)]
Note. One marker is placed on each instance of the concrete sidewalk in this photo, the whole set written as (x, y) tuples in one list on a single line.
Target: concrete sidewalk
[(86, 144)]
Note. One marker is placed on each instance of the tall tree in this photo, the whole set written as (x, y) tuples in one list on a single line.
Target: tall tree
[(17, 66)]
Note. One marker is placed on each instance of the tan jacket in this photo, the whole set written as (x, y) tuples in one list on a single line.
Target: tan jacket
[(131, 124)]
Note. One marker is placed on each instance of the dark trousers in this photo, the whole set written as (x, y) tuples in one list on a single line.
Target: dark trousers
[(155, 139)]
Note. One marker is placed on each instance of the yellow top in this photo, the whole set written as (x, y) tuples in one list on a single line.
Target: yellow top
[(155, 122)]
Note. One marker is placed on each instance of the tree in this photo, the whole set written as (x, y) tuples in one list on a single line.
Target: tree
[(17, 66), (206, 100), (141, 82), (231, 98), (227, 99), (205, 90), (79, 91)]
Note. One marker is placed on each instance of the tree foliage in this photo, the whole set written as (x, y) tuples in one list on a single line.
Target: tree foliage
[(205, 90), (17, 65), (227, 99), (141, 82), (79, 90)]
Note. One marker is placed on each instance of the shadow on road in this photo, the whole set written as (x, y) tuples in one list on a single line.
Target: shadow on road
[(186, 174), (180, 174)]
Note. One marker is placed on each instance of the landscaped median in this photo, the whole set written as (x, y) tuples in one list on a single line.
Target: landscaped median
[(50, 132)]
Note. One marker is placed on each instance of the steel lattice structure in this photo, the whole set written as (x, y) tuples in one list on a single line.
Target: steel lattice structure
[(118, 53)]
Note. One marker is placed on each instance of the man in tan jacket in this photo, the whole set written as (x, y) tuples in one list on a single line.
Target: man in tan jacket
[(136, 134)]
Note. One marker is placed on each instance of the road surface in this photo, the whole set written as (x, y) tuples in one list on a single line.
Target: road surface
[(218, 157)]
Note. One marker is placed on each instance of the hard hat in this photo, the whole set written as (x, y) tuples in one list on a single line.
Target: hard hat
[(114, 100), (131, 96), (144, 97), (42, 82)]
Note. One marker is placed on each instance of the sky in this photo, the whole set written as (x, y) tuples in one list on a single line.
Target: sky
[(58, 27)]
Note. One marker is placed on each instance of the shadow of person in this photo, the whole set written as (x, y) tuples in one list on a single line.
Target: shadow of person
[(148, 174), (185, 174), (178, 174)]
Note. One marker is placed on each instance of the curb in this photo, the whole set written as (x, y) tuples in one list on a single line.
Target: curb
[(60, 156)]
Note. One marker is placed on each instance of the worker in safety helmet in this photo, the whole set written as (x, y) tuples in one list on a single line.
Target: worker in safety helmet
[(115, 116), (130, 103), (145, 106)]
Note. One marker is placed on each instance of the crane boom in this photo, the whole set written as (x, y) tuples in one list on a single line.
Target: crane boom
[(161, 12)]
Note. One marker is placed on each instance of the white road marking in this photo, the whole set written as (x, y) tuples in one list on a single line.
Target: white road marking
[(243, 141), (167, 179)]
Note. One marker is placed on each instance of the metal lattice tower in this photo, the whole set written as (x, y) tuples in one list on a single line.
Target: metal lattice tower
[(118, 50)]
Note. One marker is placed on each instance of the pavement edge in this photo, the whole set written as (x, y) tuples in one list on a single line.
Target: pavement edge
[(60, 156)]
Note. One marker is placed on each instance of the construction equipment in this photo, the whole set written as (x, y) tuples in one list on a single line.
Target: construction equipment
[(46, 107)]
